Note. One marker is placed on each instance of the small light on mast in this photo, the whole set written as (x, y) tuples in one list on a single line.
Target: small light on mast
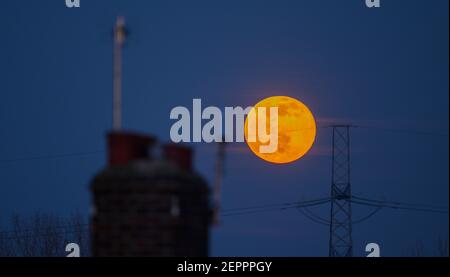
[(120, 34)]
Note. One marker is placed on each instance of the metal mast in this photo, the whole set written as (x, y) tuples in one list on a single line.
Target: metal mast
[(341, 244), (220, 163), (120, 34)]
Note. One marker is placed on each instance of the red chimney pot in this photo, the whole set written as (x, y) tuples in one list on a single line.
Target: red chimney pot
[(179, 155), (126, 147)]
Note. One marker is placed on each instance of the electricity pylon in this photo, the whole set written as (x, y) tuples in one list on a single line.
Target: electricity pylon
[(341, 244)]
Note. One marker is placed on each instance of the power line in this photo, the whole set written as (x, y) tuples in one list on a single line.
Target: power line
[(387, 205), (231, 212), (278, 205), (398, 203), (96, 152), (255, 212), (320, 220), (405, 131), (55, 156), (374, 212), (392, 130), (248, 210), (301, 206), (312, 218)]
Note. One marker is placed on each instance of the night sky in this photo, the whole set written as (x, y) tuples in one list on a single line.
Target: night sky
[(386, 68)]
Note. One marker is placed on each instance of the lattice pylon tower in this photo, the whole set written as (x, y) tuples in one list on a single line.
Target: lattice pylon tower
[(341, 244)]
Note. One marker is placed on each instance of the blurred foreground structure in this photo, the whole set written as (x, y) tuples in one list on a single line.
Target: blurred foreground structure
[(148, 201), (149, 204)]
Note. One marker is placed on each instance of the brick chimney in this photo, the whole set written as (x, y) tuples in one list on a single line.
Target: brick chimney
[(148, 205)]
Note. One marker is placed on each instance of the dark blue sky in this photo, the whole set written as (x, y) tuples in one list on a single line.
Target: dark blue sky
[(384, 67)]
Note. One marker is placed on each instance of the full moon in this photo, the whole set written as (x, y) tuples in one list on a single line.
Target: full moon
[(296, 130)]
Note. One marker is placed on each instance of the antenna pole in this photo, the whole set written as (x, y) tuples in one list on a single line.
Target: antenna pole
[(218, 182), (119, 39)]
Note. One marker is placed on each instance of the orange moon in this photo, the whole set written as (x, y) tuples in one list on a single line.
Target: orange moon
[(296, 130)]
